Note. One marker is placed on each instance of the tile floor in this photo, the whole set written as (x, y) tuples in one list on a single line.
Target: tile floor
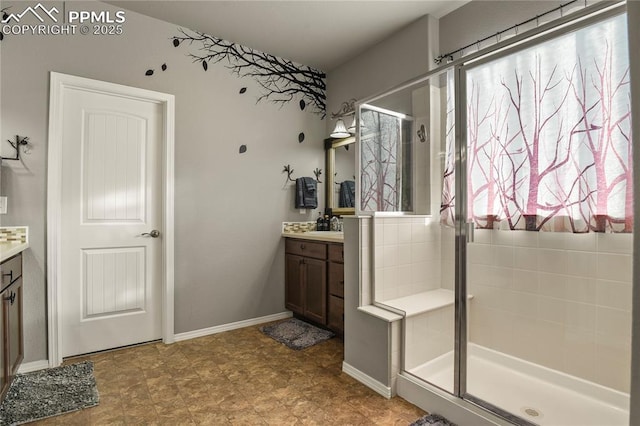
[(240, 377)]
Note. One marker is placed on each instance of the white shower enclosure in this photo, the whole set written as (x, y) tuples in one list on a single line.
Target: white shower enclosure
[(511, 265)]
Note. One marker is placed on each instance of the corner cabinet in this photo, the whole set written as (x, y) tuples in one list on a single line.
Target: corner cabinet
[(12, 346), (309, 277)]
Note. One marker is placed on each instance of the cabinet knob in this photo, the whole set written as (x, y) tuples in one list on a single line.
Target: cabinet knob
[(10, 275), (11, 298), (302, 246)]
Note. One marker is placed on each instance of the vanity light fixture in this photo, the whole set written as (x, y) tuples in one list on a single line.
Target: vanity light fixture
[(347, 109), (340, 130)]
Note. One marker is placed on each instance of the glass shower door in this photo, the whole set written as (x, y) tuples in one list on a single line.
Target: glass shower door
[(547, 249)]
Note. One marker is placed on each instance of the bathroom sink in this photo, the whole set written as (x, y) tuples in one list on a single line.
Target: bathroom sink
[(327, 233)]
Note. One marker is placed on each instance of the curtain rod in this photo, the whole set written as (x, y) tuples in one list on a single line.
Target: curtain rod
[(438, 60)]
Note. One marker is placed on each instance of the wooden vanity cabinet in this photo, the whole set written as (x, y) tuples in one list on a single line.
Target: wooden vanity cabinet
[(336, 288), (306, 279), (12, 349), (314, 282)]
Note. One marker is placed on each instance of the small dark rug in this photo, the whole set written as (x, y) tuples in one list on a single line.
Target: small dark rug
[(296, 334), (432, 420), (48, 393)]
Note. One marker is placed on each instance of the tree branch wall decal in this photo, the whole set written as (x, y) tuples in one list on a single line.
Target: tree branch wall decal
[(281, 80)]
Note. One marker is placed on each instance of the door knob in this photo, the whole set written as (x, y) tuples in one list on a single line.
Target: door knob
[(153, 234)]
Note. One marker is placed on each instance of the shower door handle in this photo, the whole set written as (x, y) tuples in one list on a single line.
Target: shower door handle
[(470, 232)]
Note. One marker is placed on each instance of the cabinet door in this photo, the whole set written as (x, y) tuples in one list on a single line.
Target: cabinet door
[(336, 314), (336, 279), (315, 307), (13, 317), (294, 286)]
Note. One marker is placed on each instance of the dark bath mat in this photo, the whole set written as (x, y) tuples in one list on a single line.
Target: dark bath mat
[(296, 334), (49, 392), (432, 420)]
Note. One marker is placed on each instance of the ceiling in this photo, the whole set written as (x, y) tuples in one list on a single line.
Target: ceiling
[(321, 34)]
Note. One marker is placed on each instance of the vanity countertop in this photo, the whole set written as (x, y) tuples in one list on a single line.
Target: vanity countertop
[(328, 236), (9, 249)]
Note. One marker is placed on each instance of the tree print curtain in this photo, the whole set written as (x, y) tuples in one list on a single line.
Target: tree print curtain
[(549, 136)]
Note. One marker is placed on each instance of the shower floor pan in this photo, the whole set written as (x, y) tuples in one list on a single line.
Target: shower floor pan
[(537, 394)]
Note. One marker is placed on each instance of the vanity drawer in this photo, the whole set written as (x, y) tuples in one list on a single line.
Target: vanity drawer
[(336, 279), (306, 248), (11, 270), (336, 252)]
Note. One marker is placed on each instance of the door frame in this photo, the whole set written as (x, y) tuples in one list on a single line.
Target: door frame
[(58, 84)]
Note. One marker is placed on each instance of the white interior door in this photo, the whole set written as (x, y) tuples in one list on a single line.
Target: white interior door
[(111, 194)]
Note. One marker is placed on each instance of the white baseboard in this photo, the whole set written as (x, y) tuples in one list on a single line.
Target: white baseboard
[(28, 367), (367, 380), (231, 326)]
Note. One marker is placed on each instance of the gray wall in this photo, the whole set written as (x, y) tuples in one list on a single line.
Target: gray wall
[(401, 57), (229, 207)]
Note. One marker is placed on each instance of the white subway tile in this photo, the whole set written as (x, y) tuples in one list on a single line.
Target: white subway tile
[(418, 252), (581, 315), (614, 267), (615, 243), (579, 289), (482, 236), (614, 322), (502, 256), (404, 275), (581, 264), (525, 258), (581, 242), (480, 254), (404, 254), (390, 234), (552, 309), (524, 304), (552, 240), (419, 272), (404, 232), (525, 281), (552, 261), (418, 232), (525, 238), (552, 285), (502, 238), (580, 353), (615, 294), (390, 256)]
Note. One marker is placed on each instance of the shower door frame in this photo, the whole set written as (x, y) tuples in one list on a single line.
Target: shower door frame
[(584, 18)]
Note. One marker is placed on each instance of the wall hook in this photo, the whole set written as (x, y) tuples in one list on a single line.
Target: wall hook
[(289, 171), (20, 141)]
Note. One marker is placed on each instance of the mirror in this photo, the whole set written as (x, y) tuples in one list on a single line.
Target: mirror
[(341, 175), (394, 151)]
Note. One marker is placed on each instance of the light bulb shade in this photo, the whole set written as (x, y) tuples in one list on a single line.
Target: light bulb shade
[(340, 130), (352, 128)]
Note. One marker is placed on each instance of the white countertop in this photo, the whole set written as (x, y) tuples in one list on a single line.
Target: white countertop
[(329, 236), (8, 250)]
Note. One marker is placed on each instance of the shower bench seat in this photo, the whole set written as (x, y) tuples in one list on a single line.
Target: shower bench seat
[(420, 303)]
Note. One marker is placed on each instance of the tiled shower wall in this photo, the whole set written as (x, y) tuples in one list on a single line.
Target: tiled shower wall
[(407, 256), (557, 299)]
